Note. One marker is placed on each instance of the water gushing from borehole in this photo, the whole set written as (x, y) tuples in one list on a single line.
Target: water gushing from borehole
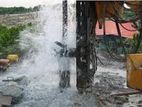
[(40, 64)]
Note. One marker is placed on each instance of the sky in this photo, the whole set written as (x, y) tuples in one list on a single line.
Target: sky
[(29, 3), (26, 3)]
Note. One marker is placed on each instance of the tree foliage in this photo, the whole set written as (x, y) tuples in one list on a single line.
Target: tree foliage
[(9, 39), (128, 14), (17, 10)]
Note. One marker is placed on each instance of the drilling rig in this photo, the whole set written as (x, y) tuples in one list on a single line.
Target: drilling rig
[(88, 13)]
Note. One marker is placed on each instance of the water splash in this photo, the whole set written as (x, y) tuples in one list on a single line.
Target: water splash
[(40, 64)]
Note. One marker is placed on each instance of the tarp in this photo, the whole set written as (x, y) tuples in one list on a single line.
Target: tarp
[(110, 29)]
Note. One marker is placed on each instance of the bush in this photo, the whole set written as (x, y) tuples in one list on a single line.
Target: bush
[(9, 39)]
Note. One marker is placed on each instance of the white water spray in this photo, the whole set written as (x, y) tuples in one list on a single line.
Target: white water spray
[(40, 64)]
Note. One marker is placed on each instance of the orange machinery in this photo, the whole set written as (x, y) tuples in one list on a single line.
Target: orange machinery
[(134, 71)]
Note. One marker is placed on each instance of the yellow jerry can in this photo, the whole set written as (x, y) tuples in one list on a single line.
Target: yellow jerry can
[(134, 71), (13, 57)]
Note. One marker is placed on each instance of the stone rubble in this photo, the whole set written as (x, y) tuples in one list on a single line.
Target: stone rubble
[(14, 87)]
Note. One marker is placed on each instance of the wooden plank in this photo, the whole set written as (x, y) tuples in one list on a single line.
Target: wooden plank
[(124, 91)]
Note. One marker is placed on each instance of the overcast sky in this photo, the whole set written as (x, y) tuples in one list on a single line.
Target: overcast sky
[(26, 3)]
